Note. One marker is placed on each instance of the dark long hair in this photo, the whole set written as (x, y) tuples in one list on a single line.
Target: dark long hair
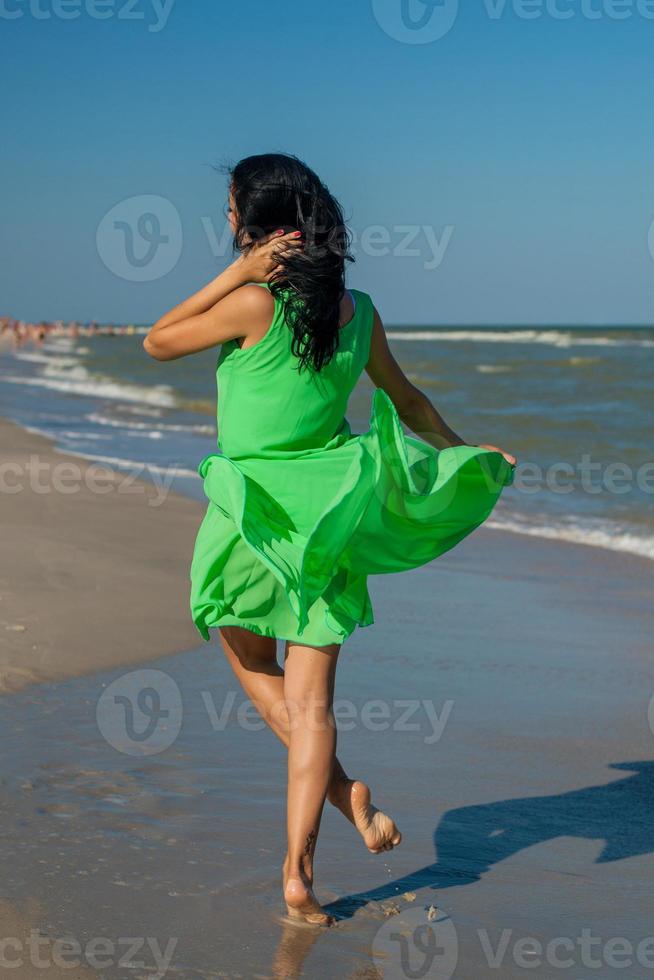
[(276, 190)]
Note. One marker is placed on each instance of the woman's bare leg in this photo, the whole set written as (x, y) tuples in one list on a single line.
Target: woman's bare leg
[(309, 694), (253, 659)]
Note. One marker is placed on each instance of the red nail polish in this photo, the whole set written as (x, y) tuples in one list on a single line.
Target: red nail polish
[(297, 234), (280, 231)]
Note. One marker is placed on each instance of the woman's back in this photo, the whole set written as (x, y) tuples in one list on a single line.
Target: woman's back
[(268, 407)]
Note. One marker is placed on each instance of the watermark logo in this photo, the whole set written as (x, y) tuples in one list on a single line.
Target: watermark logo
[(423, 943), (34, 952), (42, 476), (416, 21), (140, 713), (416, 943), (154, 13), (140, 239), (426, 21), (38, 952), (400, 715)]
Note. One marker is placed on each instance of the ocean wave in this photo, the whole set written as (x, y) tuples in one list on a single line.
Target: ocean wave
[(130, 464), (153, 434), (60, 343), (92, 436), (55, 364), (494, 368), (577, 532), (81, 383), (199, 429), (33, 357), (554, 338)]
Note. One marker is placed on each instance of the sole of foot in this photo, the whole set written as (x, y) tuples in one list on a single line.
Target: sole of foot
[(377, 829)]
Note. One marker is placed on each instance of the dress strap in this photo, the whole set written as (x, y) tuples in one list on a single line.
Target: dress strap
[(365, 312)]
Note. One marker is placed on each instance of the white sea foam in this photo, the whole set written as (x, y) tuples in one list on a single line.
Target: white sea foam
[(576, 531), (140, 466), (99, 419), (93, 436), (33, 357), (554, 338), (493, 368), (79, 382), (153, 434)]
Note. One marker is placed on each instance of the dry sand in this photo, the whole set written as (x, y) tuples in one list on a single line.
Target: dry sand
[(89, 579)]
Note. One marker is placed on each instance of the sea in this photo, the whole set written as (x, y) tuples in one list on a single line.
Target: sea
[(574, 404)]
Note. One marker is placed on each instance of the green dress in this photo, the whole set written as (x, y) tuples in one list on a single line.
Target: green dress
[(301, 511)]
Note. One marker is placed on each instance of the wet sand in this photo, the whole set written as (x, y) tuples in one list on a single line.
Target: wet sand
[(95, 566), (500, 708)]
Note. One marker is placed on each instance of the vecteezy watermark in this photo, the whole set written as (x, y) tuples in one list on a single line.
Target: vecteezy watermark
[(426, 21), (423, 943), (416, 21), (42, 476), (585, 950), (570, 9), (399, 715), (142, 953), (140, 713), (416, 943), (140, 239), (153, 13), (586, 475), (407, 241)]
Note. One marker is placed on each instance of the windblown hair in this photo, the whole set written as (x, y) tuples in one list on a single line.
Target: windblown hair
[(276, 190)]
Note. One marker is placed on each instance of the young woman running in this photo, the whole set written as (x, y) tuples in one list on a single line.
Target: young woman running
[(300, 510)]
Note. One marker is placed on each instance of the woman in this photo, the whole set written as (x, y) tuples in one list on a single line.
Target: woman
[(300, 510)]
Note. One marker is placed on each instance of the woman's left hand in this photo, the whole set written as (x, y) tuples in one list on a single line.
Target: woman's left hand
[(507, 456)]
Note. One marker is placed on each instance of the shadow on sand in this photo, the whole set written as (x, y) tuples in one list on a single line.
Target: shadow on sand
[(471, 840)]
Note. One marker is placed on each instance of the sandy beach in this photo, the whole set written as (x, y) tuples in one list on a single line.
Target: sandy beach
[(95, 565), (500, 708)]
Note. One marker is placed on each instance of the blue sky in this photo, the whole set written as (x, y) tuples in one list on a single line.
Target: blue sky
[(500, 173)]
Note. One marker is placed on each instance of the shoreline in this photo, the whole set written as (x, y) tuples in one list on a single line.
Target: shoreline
[(76, 557), (501, 709)]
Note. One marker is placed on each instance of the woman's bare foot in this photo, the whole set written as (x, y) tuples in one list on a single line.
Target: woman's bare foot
[(300, 900), (353, 800)]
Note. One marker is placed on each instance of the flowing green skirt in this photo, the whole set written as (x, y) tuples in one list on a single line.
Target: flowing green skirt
[(289, 539)]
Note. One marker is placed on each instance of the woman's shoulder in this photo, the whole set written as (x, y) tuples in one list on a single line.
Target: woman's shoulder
[(254, 297), (360, 292), (363, 302), (362, 297), (252, 306)]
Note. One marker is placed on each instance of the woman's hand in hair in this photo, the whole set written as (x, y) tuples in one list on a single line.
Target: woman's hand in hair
[(261, 261)]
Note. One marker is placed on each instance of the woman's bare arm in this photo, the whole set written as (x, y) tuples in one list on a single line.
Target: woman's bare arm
[(246, 309), (413, 406), (227, 308)]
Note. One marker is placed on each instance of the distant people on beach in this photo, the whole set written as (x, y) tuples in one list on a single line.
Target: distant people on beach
[(17, 333)]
